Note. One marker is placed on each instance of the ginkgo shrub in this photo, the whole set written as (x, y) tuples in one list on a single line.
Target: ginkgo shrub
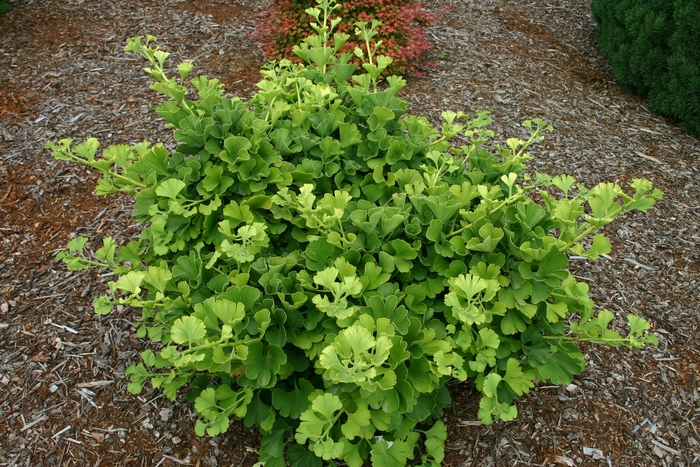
[(319, 264)]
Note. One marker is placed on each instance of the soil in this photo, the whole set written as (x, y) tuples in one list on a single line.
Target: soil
[(63, 397)]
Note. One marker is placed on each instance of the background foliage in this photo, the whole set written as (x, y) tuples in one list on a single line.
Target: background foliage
[(652, 46)]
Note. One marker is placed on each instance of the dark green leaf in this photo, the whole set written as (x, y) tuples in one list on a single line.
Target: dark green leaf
[(299, 456), (293, 403)]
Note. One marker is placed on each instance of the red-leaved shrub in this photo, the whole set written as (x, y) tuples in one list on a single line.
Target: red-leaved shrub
[(402, 31)]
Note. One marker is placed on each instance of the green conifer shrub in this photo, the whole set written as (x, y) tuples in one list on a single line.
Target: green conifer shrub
[(654, 50)]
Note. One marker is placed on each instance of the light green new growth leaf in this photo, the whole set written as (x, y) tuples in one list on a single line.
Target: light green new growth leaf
[(77, 244), (488, 339), (518, 380), (102, 305), (605, 317), (602, 199), (355, 340), (486, 344), (468, 284), (355, 356), (205, 402), (131, 282), (161, 56), (137, 375), (556, 311), (356, 420), (316, 423), (230, 313), (638, 325), (490, 385), (351, 286), (170, 188), (564, 182), (509, 179), (74, 263), (149, 357), (490, 407), (188, 330), (200, 428), (184, 68), (158, 277), (450, 364), (339, 308), (638, 336), (600, 246), (107, 251), (393, 455), (435, 443), (449, 116), (643, 201), (87, 149), (326, 278), (514, 144), (306, 197)]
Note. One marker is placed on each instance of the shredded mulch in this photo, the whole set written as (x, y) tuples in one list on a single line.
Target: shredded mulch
[(63, 398)]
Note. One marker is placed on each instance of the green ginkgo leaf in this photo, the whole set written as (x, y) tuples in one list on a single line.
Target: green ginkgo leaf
[(158, 277), (264, 363), (319, 254), (230, 313), (293, 403), (560, 367), (260, 414), (403, 254), (188, 330), (317, 419), (170, 188), (356, 421), (299, 456), (131, 282), (518, 380), (395, 454)]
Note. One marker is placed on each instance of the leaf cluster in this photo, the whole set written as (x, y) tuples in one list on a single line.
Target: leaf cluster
[(319, 264)]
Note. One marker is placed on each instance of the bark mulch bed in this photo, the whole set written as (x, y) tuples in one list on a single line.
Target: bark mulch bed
[(63, 398)]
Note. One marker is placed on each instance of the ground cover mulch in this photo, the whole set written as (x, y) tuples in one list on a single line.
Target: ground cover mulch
[(63, 398)]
